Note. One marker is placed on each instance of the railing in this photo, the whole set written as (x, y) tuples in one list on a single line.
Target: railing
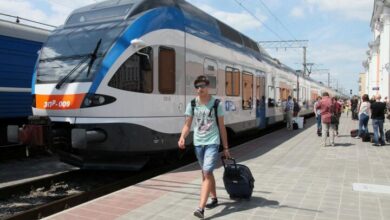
[(19, 20)]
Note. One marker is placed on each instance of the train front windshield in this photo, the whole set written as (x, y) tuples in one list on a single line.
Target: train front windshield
[(70, 49)]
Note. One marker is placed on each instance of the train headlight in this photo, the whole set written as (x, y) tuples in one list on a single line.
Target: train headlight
[(87, 102), (92, 100), (101, 100)]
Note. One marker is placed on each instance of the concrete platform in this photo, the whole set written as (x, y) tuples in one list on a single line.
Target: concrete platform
[(296, 178), (14, 172)]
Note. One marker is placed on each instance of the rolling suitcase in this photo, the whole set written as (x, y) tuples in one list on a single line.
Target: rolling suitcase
[(354, 132), (238, 179)]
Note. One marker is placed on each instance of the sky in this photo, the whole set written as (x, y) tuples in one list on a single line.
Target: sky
[(337, 31)]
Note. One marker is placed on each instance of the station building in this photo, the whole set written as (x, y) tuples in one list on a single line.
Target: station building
[(377, 65)]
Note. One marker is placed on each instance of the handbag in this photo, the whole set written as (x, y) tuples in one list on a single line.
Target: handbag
[(333, 118)]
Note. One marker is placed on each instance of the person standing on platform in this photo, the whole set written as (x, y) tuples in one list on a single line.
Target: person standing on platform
[(337, 112), (208, 130), (296, 108), (378, 109), (317, 113), (364, 112), (325, 106), (354, 108), (289, 112)]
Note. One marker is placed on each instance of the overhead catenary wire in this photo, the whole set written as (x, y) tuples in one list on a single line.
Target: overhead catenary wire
[(277, 19), (258, 19), (25, 19)]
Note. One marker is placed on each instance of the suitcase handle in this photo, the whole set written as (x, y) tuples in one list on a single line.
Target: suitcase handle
[(223, 158)]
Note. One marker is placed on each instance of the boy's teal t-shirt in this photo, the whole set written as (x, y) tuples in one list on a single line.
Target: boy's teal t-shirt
[(206, 130)]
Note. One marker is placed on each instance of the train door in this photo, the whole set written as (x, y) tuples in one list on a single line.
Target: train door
[(260, 100), (210, 69), (247, 98), (171, 86)]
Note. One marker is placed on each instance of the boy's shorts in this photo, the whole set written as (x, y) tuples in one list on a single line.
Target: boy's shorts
[(207, 156)]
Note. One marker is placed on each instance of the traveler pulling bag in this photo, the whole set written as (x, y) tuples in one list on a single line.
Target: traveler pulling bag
[(238, 179)]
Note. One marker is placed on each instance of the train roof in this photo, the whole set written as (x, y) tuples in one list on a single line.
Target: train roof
[(23, 31), (211, 28)]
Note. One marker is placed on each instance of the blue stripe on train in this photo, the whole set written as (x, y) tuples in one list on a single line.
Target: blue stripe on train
[(17, 61), (15, 104), (163, 18)]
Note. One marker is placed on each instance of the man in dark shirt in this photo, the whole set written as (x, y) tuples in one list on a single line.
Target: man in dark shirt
[(378, 117), (354, 106)]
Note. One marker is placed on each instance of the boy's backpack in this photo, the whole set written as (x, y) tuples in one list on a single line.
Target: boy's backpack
[(215, 107)]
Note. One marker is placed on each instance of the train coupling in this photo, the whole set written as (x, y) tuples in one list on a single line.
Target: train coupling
[(82, 137), (35, 133)]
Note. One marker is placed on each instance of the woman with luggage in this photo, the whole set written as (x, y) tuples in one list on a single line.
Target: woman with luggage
[(207, 113), (364, 116)]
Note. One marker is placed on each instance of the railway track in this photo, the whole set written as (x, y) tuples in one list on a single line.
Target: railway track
[(40, 198)]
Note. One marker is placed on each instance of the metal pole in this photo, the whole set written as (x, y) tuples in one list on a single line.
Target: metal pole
[(304, 61)]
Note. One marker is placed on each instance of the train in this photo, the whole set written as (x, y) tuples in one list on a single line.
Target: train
[(112, 83), (19, 46)]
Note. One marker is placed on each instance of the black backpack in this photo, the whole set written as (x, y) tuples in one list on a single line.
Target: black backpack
[(215, 107)]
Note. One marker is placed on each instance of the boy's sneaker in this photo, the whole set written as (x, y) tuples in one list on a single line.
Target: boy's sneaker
[(199, 213), (212, 204)]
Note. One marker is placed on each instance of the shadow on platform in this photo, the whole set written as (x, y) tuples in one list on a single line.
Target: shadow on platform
[(255, 202)]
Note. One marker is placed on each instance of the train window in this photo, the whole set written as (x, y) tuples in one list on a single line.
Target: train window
[(148, 5), (136, 73), (166, 70), (271, 96), (232, 82), (303, 95), (260, 88), (210, 69), (99, 15), (249, 43), (247, 90), (229, 33), (284, 93)]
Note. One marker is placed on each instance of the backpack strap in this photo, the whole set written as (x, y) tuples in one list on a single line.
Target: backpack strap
[(215, 107), (193, 104)]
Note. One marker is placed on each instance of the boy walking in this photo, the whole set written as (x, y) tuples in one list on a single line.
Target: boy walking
[(208, 130)]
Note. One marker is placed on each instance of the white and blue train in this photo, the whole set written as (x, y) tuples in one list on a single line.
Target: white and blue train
[(112, 83), (19, 46)]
